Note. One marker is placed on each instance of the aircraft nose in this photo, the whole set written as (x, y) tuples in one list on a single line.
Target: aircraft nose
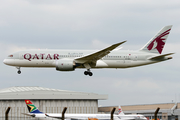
[(5, 61), (9, 62)]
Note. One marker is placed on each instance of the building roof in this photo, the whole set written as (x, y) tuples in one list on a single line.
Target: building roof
[(169, 108), (13, 93)]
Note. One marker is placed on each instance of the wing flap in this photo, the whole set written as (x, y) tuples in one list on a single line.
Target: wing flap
[(93, 57)]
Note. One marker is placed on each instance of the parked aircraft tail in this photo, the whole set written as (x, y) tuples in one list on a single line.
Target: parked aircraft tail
[(31, 107), (156, 44), (120, 112)]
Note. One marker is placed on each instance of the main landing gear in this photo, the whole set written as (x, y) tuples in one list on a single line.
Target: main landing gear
[(88, 72), (19, 71)]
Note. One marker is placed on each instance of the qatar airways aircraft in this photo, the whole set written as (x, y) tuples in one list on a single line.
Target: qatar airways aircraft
[(110, 57), (34, 112)]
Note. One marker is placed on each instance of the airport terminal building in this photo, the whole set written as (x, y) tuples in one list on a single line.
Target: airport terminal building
[(47, 100)]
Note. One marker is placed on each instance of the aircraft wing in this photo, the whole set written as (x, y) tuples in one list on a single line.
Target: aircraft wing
[(159, 56), (93, 57), (58, 117)]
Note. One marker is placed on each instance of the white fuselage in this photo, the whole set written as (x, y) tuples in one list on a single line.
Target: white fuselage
[(109, 57), (89, 116), (49, 58)]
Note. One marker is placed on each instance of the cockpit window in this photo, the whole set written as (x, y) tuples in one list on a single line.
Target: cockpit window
[(10, 56)]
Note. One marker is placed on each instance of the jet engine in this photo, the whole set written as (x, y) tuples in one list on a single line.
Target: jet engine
[(65, 65)]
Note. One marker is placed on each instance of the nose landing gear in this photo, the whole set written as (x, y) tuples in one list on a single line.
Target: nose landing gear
[(19, 71)]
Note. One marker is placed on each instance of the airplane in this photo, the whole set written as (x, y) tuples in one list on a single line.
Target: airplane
[(34, 112), (110, 57)]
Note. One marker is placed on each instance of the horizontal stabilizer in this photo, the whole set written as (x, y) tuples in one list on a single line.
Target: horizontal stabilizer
[(32, 115), (159, 56)]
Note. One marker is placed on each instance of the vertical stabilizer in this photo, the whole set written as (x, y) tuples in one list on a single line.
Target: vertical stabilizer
[(120, 112), (156, 44), (32, 108)]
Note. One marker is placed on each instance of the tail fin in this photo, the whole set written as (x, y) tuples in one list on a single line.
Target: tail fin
[(32, 108), (120, 112), (156, 44)]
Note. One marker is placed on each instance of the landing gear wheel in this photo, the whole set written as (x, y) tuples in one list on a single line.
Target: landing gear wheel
[(90, 73), (85, 72), (19, 72)]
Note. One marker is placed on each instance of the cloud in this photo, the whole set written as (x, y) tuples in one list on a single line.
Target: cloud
[(99, 44), (10, 48), (3, 23)]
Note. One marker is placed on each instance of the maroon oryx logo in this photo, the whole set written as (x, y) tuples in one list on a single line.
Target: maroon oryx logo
[(158, 42)]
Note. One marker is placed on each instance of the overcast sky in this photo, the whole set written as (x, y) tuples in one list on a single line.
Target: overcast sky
[(93, 24)]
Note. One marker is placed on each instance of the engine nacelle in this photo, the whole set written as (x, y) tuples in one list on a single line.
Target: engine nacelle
[(65, 65)]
